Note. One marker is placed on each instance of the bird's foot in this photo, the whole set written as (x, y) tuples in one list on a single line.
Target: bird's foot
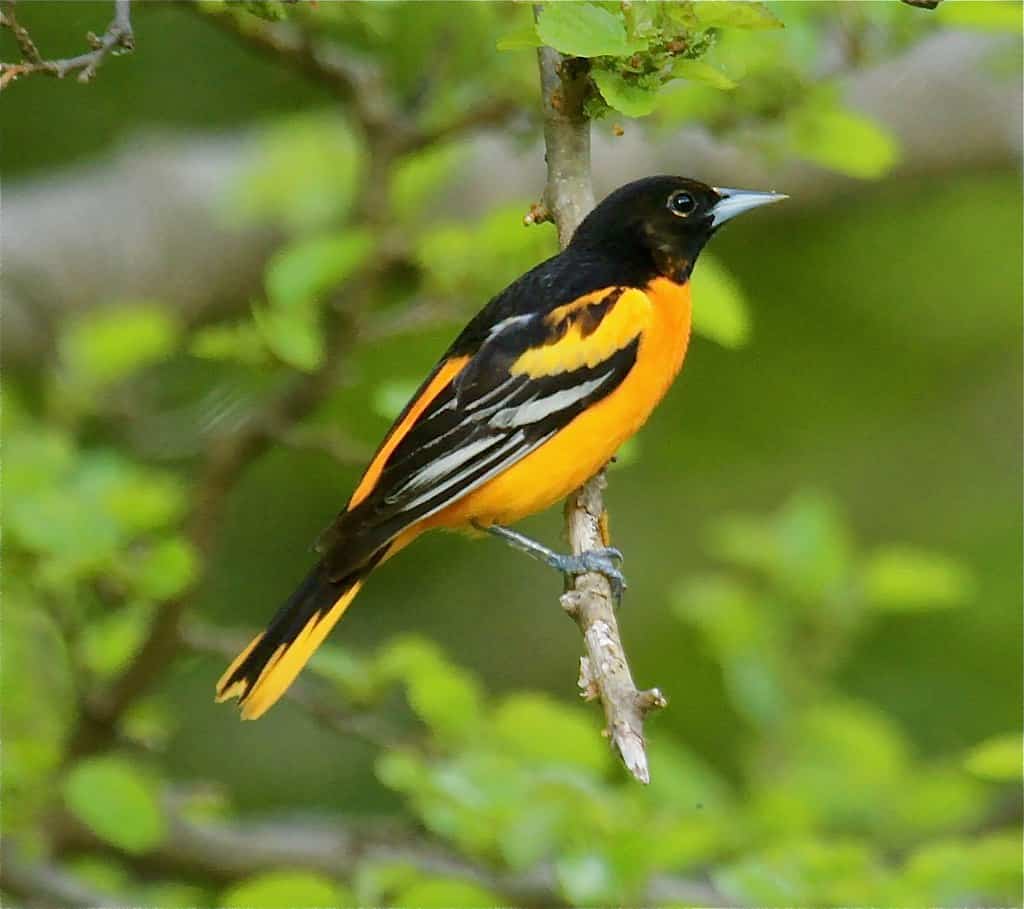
[(604, 562), (601, 561)]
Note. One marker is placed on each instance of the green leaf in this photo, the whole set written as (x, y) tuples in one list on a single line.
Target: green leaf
[(117, 802), (719, 306), (109, 641), (585, 30), (536, 728), (295, 338), (282, 889), (520, 40), (985, 870), (991, 16), (296, 279), (587, 879), (705, 73), (446, 893), (625, 96), (166, 570), (305, 175), (298, 274), (904, 579), (37, 702), (842, 141), (997, 759), (115, 341), (239, 342), (36, 460), (146, 500), (805, 873), (419, 178), (735, 14), (446, 697)]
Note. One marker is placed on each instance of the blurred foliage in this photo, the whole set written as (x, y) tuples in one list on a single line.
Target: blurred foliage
[(823, 793)]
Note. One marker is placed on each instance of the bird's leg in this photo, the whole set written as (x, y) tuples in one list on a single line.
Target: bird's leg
[(603, 561)]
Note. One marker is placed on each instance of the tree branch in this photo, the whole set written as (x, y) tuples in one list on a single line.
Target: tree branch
[(118, 36), (568, 196)]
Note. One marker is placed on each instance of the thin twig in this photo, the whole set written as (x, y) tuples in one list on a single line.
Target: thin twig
[(568, 196), (118, 36)]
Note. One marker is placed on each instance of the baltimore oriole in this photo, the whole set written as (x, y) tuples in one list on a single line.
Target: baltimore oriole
[(533, 397)]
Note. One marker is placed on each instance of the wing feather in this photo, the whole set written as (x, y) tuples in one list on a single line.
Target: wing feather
[(531, 376)]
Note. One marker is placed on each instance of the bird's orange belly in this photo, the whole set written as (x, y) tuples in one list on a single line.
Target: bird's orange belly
[(582, 448)]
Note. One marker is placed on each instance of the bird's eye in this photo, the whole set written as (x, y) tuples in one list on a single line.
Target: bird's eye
[(682, 204)]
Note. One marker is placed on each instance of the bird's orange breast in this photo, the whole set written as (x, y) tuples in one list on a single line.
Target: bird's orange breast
[(661, 317)]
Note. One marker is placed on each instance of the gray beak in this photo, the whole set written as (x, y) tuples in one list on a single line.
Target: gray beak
[(736, 201)]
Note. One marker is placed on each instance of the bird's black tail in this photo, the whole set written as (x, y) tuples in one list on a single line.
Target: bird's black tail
[(266, 668)]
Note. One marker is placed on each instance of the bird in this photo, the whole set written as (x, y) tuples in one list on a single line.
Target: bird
[(531, 399)]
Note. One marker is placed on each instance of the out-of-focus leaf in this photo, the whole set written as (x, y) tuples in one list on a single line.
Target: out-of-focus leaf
[(296, 278), (299, 273), (733, 14), (115, 341), (985, 871), (166, 569), (627, 97), (901, 578), (842, 140), (587, 879), (445, 696), (56, 524), (423, 176), (805, 873), (700, 71), (109, 641), (997, 759), (37, 700), (36, 460), (145, 500), (442, 893), (720, 309), (585, 30), (117, 802), (845, 761), (175, 895), (240, 342), (285, 889), (536, 728), (305, 176), (293, 337), (932, 801), (805, 547), (102, 874), (991, 16), (744, 640)]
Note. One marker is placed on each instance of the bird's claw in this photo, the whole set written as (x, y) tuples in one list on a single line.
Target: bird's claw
[(601, 561)]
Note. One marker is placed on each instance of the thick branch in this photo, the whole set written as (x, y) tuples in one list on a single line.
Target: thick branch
[(568, 196), (118, 36)]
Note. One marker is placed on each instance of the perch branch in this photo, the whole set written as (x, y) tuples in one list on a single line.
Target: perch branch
[(118, 36), (568, 196)]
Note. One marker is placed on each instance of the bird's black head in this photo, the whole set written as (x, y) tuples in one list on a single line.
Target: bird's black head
[(660, 224)]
